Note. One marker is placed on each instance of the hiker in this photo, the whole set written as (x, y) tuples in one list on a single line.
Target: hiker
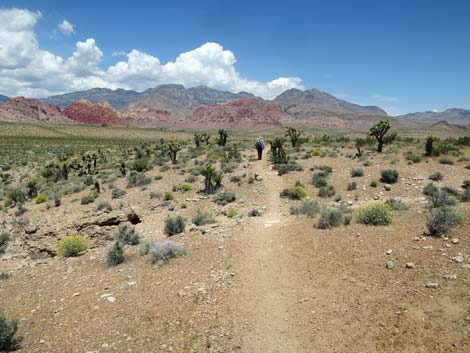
[(259, 147)]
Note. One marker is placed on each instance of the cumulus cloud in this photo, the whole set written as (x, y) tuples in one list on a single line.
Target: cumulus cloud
[(26, 69), (66, 28)]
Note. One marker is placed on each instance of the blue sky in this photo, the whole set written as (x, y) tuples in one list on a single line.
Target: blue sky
[(401, 55)]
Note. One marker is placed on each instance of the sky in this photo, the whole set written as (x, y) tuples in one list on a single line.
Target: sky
[(403, 56)]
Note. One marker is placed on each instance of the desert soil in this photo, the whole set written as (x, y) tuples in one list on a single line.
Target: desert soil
[(265, 284)]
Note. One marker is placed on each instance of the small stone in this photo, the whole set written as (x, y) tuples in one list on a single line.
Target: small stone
[(459, 259), (76, 294), (455, 241), (389, 252), (387, 187), (389, 264), (410, 265), (111, 299), (431, 285), (450, 276)]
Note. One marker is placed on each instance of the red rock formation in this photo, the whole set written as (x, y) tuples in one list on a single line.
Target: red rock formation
[(100, 113), (238, 114), (27, 110), (145, 117)]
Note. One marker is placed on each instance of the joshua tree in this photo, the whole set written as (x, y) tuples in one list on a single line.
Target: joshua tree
[(122, 168), (379, 131), (360, 143), (277, 150), (218, 177), (198, 138), (32, 187), (209, 173), (206, 137), (222, 137), (294, 135), (429, 145), (173, 149)]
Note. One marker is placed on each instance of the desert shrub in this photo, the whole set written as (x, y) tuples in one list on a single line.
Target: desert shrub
[(167, 196), (117, 193), (352, 186), (389, 176), (330, 217), (8, 341), (231, 212), (40, 198), (319, 180), (254, 212), (285, 168), (203, 217), (161, 253), (437, 176), (137, 179), (294, 193), (450, 190), (306, 207), (374, 183), (375, 214), (190, 179), (441, 219), (4, 239), (155, 195), (235, 178), (413, 157), (367, 163), (90, 198), (465, 197), (174, 225), (396, 205), (104, 206), (430, 189), (326, 191), (357, 172), (71, 245), (127, 235), (224, 198), (466, 184), (115, 255), (185, 187), (446, 160), (140, 165), (441, 198)]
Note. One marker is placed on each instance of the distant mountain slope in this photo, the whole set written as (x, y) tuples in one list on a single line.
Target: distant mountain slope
[(27, 110), (453, 116), (3, 98), (85, 112), (313, 102), (118, 99)]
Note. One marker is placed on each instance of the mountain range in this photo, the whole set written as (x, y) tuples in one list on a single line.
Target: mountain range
[(173, 105)]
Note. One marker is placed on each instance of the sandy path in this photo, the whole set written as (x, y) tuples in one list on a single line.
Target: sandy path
[(263, 300)]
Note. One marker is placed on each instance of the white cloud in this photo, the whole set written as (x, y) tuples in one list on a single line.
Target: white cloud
[(66, 28), (26, 69)]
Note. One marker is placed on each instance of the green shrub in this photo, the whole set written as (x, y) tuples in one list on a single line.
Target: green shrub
[(202, 217), (4, 239), (167, 196), (294, 193), (389, 176), (115, 254), (441, 198), (127, 235), (8, 341), (306, 207), (357, 172), (40, 198), (441, 219), (137, 179), (465, 197), (412, 157), (225, 197), (326, 191), (330, 217), (374, 183), (90, 198), (396, 205), (375, 214), (140, 165), (174, 225), (430, 189), (104, 206), (352, 186), (319, 180), (235, 178), (231, 212), (466, 184), (116, 193), (185, 187), (72, 245), (437, 176), (161, 253), (292, 166)]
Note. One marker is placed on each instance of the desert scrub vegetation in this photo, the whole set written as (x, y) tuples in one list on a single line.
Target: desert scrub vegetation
[(357, 172), (174, 225), (436, 176), (203, 217), (127, 235), (161, 253), (294, 193), (396, 205), (389, 176), (115, 254), (4, 239), (72, 245), (224, 198), (330, 217), (326, 191), (442, 219), (231, 212), (376, 214), (117, 193), (308, 207), (8, 339)]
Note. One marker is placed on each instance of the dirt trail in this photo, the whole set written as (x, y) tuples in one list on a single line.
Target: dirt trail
[(266, 291)]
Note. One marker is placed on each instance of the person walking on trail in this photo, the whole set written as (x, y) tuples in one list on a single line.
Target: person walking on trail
[(259, 147)]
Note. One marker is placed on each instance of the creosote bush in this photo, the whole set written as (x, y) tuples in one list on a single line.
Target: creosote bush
[(307, 207), (396, 205), (231, 212), (441, 219), (161, 253), (174, 225), (294, 193), (389, 176), (330, 217), (127, 235), (225, 197), (326, 191), (8, 341), (357, 172), (377, 214), (203, 217), (117, 193), (72, 245)]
